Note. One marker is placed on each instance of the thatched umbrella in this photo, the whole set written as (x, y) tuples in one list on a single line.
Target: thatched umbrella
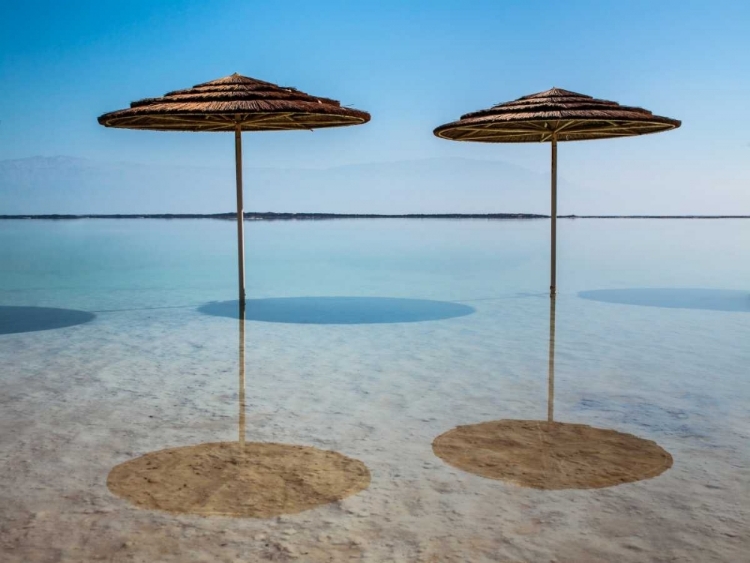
[(552, 116), (235, 103)]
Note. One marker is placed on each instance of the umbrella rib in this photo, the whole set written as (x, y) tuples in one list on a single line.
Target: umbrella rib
[(477, 134), (303, 125), (278, 127), (249, 119), (141, 119), (185, 122), (166, 121), (539, 125), (466, 132), (270, 127), (325, 124), (501, 132), (494, 138), (493, 127), (566, 125), (505, 138), (609, 131), (635, 125), (222, 127)]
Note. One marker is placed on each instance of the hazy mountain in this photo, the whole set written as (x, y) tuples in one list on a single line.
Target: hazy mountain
[(41, 185)]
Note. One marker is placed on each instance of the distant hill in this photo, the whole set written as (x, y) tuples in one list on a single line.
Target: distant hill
[(68, 185)]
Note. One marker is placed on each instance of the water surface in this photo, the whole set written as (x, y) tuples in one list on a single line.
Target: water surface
[(151, 371)]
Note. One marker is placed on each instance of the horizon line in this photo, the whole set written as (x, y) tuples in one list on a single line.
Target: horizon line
[(288, 216)]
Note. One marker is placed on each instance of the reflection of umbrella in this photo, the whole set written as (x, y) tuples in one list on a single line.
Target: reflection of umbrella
[(548, 454), (241, 421), (241, 479), (554, 115), (551, 364), (235, 103)]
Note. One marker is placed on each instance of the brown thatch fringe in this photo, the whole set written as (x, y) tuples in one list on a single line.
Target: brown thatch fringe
[(566, 115), (220, 105)]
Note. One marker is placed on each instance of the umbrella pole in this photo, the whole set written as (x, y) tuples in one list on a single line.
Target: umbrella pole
[(553, 217), (551, 364), (240, 216)]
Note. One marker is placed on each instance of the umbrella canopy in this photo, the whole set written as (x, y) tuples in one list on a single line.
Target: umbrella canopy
[(552, 116), (232, 101), (235, 103), (566, 115)]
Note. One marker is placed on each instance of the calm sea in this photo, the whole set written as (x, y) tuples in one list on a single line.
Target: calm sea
[(371, 337)]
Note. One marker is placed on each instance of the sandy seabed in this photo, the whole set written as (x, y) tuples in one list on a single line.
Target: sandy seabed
[(79, 402), (551, 455), (252, 480)]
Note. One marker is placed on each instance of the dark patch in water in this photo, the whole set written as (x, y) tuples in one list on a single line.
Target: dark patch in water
[(339, 310), (31, 319)]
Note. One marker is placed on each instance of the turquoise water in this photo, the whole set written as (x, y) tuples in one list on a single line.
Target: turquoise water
[(98, 263), (652, 333)]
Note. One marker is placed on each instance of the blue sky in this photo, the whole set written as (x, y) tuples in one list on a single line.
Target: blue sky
[(413, 65)]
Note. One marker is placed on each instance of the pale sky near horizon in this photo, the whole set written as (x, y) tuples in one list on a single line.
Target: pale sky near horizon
[(413, 65)]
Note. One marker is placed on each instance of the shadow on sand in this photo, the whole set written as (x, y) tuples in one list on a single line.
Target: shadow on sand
[(339, 310), (675, 298), (31, 319)]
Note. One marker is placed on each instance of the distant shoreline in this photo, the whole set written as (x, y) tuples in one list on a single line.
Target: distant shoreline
[(252, 216)]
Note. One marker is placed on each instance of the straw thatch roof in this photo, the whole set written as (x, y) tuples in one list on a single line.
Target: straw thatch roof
[(220, 105), (567, 115)]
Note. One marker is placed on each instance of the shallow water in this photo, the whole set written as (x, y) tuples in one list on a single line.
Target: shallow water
[(151, 370)]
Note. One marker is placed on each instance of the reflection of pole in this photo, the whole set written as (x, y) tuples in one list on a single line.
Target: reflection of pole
[(553, 217), (242, 378), (551, 367), (240, 214)]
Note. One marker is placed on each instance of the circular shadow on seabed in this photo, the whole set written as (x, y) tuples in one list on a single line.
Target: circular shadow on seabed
[(250, 480), (339, 310), (675, 298), (31, 319), (551, 455)]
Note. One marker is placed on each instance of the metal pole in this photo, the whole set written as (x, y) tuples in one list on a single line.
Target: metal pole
[(551, 364), (240, 215), (242, 380), (553, 217)]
